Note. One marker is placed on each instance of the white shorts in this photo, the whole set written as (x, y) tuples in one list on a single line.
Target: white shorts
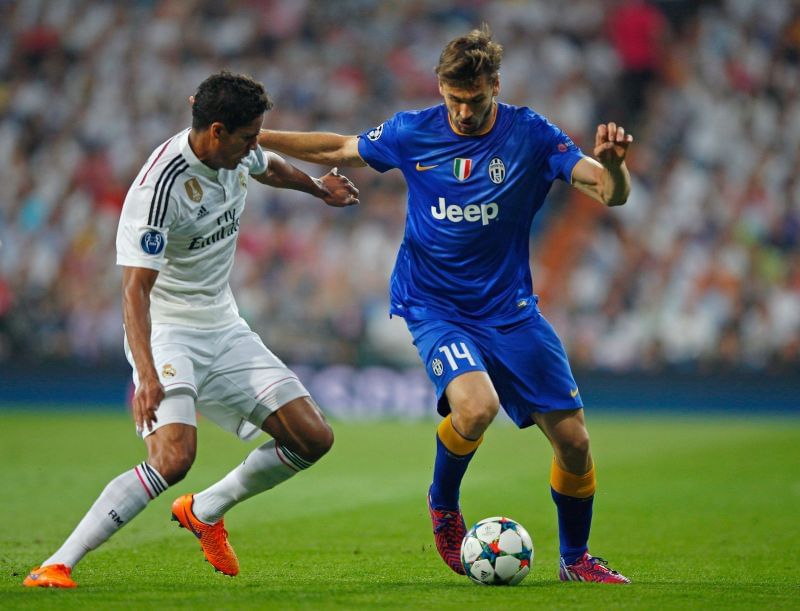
[(235, 379)]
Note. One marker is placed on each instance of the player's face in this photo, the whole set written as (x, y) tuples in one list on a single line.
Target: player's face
[(471, 110), (234, 146)]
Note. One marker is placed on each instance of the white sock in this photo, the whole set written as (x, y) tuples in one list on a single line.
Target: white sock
[(264, 468), (121, 501)]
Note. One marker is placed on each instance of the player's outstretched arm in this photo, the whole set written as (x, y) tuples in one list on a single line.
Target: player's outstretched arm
[(325, 148), (137, 282), (606, 178), (333, 188)]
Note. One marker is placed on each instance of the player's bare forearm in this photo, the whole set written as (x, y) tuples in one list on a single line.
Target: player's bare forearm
[(610, 186), (324, 148), (616, 185), (136, 286), (283, 175), (332, 188)]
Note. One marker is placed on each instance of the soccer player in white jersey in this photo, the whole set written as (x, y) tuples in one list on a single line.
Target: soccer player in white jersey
[(189, 348)]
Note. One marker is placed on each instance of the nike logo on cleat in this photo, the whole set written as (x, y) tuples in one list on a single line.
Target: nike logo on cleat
[(189, 522)]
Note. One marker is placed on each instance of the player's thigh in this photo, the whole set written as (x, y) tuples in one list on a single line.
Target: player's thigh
[(246, 384), (473, 396)]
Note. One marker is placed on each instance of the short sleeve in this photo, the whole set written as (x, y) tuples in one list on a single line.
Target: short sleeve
[(380, 146), (562, 153), (143, 230)]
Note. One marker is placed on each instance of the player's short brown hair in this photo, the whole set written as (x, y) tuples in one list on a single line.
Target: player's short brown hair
[(466, 58), (232, 99)]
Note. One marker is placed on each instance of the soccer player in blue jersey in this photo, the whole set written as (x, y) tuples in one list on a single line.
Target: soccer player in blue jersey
[(477, 172)]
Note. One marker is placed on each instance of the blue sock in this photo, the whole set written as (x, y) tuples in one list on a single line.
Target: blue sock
[(574, 522), (448, 471)]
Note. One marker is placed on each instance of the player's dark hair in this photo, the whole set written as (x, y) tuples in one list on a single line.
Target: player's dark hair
[(232, 99), (466, 58)]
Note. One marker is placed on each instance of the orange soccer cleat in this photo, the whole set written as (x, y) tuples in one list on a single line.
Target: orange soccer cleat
[(213, 538), (50, 576)]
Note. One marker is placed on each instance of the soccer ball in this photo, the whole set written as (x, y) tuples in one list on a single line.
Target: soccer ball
[(497, 552)]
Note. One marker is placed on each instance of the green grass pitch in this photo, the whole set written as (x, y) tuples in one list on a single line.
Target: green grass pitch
[(699, 512)]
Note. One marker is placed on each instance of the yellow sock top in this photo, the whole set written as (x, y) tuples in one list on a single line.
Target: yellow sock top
[(569, 484), (454, 441)]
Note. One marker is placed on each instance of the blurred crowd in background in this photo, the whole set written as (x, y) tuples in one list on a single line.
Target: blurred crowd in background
[(701, 268)]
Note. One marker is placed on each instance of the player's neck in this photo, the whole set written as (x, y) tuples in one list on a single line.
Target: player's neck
[(199, 143)]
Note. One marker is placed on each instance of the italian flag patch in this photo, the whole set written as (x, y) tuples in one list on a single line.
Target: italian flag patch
[(462, 168)]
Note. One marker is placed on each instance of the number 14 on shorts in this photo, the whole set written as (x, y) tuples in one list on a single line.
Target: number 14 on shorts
[(456, 351)]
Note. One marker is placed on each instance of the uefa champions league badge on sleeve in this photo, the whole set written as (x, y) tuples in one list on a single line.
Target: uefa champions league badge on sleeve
[(374, 134), (152, 242)]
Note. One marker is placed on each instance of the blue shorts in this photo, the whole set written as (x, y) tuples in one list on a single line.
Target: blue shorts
[(525, 361)]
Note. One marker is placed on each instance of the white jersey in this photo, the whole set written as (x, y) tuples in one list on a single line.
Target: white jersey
[(181, 218)]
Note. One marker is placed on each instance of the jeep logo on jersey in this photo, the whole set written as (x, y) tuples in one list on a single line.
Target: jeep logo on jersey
[(497, 170), (152, 242), (471, 213), (462, 168), (375, 133), (193, 190)]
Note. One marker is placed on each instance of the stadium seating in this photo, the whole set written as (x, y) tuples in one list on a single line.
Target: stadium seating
[(701, 268)]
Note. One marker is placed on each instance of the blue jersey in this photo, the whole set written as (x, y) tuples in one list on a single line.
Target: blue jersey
[(471, 202)]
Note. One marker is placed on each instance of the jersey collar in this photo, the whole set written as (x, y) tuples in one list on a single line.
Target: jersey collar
[(195, 164)]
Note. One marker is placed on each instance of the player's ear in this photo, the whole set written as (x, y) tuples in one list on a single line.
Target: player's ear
[(441, 91), (496, 86), (217, 129)]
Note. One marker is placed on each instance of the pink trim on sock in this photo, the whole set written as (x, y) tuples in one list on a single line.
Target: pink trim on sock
[(141, 481)]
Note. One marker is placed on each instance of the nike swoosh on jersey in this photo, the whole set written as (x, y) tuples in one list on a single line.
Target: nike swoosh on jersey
[(573, 393), (422, 168)]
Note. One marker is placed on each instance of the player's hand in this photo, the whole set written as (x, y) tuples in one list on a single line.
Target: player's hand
[(611, 144), (338, 190), (148, 397)]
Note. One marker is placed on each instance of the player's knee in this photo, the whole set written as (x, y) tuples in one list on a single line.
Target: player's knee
[(172, 463), (576, 445), (475, 414), (318, 443), (313, 443)]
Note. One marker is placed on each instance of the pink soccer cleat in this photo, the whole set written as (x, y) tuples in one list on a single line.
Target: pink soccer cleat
[(590, 568), (449, 530)]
